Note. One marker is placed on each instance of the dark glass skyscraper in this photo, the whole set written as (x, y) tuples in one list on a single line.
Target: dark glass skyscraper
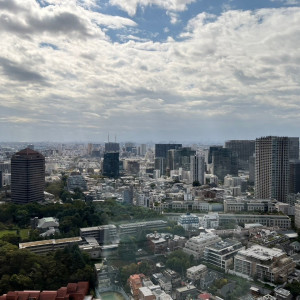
[(244, 149), (27, 176), (111, 164), (161, 150)]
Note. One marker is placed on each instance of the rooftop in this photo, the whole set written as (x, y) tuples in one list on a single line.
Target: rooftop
[(262, 253), (49, 242)]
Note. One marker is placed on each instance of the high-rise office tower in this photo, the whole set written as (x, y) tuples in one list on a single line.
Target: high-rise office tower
[(197, 168), (111, 164), (210, 152), (112, 147), (161, 150), (224, 162), (161, 156), (1, 179), (27, 176), (244, 149), (294, 176), (160, 164), (272, 168)]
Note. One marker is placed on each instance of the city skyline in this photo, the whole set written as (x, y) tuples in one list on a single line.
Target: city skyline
[(177, 70)]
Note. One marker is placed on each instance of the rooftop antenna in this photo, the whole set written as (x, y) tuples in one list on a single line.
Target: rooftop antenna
[(108, 137), (115, 138)]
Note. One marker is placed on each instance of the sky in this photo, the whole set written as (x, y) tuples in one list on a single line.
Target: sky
[(149, 70)]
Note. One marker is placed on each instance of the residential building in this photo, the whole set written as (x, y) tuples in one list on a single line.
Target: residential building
[(135, 283), (27, 176), (196, 272), (76, 181), (221, 254), (283, 294), (197, 169), (195, 246), (77, 291), (173, 277), (189, 291), (272, 168), (146, 294), (131, 166), (293, 147), (297, 214), (128, 195), (263, 263)]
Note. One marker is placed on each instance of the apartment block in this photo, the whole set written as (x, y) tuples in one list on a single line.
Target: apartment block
[(263, 263)]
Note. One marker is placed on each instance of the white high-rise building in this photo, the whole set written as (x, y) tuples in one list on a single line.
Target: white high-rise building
[(272, 168), (197, 168)]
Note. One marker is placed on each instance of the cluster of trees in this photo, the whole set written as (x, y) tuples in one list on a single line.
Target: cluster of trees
[(24, 270), (180, 261), (145, 267), (72, 216)]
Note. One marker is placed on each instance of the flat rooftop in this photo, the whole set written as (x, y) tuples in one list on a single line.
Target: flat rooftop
[(50, 242), (261, 253)]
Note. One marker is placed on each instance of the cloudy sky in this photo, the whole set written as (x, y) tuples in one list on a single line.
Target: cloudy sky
[(149, 70)]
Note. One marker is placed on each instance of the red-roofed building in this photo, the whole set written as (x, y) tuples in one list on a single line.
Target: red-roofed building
[(73, 291), (204, 296), (135, 282)]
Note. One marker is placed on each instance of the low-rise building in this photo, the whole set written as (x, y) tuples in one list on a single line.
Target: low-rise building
[(281, 221), (196, 272), (186, 291), (88, 245), (134, 228), (146, 294), (283, 294), (263, 263), (135, 283), (209, 221), (188, 221), (105, 234), (238, 205), (195, 246), (221, 254)]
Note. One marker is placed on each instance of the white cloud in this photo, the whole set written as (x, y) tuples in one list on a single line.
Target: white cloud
[(239, 67), (130, 6)]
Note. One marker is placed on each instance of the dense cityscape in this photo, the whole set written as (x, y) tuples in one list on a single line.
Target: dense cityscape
[(149, 150), (151, 221)]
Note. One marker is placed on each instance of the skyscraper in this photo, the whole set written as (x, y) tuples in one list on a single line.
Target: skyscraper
[(293, 148), (244, 149), (294, 176), (224, 162), (161, 150), (197, 168), (272, 168), (27, 176), (112, 147), (111, 164)]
